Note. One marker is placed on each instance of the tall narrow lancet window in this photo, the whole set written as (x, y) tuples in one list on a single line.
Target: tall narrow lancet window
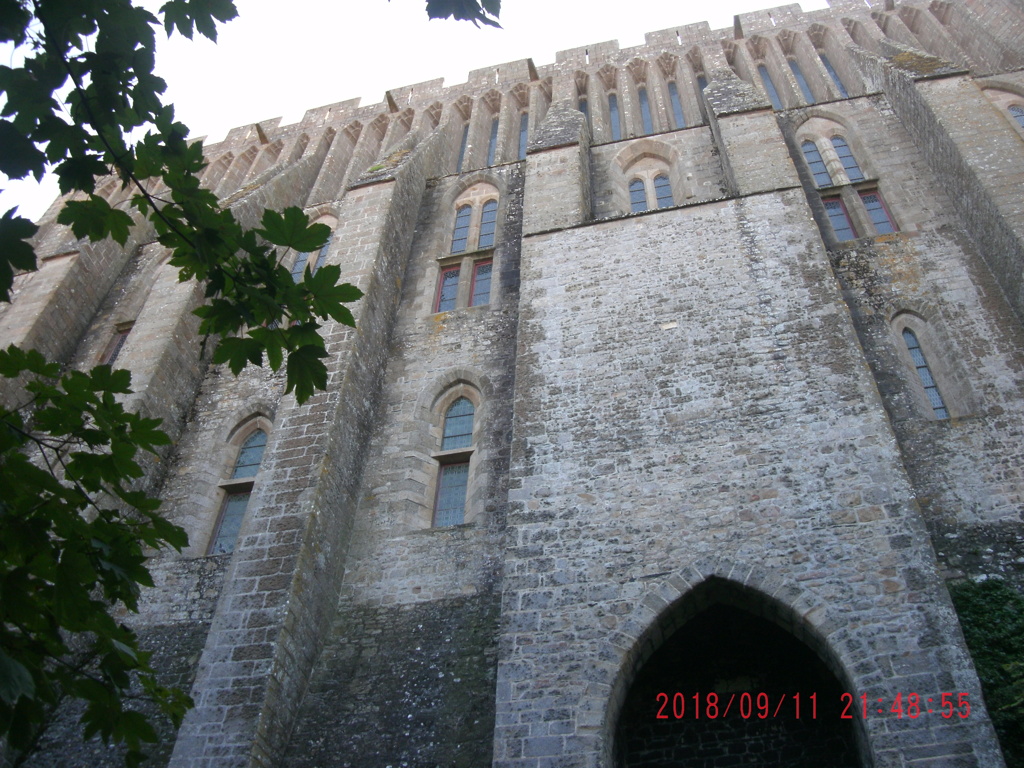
[(834, 75), (460, 234), (447, 290), (798, 73), (846, 157), (115, 346), (645, 111), (232, 511), (931, 389), (663, 191), (584, 107), (303, 259), (613, 116), (524, 133), (481, 289), (678, 118), (488, 222), (769, 86), (1018, 114), (453, 478), (839, 218), (462, 148), (492, 143), (637, 196), (702, 82), (879, 214), (822, 178)]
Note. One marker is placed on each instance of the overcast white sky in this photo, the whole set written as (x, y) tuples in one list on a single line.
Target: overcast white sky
[(279, 59)]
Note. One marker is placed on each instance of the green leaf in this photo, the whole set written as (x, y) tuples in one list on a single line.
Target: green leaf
[(306, 371), (238, 352), (15, 252), (291, 229), (18, 155), (95, 219), (15, 680)]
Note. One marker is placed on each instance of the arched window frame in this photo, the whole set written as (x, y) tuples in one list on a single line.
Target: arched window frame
[(464, 275), (236, 488), (637, 196), (853, 201), (640, 164), (663, 197), (952, 393), (769, 86), (301, 260), (455, 461)]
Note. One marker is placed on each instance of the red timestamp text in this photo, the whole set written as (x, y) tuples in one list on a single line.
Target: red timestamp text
[(769, 706), (712, 706), (910, 705)]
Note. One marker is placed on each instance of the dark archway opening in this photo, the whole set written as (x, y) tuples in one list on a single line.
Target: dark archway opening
[(758, 667)]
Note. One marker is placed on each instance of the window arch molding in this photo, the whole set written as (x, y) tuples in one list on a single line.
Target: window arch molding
[(431, 410), (646, 160), (1008, 98), (951, 384), (468, 248), (233, 505), (297, 262)]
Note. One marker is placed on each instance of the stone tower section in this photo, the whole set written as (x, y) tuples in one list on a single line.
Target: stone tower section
[(686, 378)]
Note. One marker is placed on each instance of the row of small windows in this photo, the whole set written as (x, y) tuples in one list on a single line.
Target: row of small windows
[(454, 459), (492, 142), (801, 81)]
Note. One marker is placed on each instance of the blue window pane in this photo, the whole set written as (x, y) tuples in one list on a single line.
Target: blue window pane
[(849, 162), (458, 425), (450, 508), (876, 210), (613, 116), (488, 221), (299, 266), (1018, 114), (663, 191), (232, 512), (702, 82), (805, 89), (769, 86), (492, 144), (645, 111), (524, 132), (448, 290), (834, 75), (584, 108), (462, 148), (841, 223), (461, 232), (322, 256), (637, 196), (931, 389), (481, 284), (816, 164), (677, 106), (249, 458)]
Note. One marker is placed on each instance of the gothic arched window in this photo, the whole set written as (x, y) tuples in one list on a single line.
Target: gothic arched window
[(645, 111), (460, 234), (237, 490), (637, 196), (453, 473), (931, 389), (769, 86), (853, 171), (822, 178), (488, 222), (1018, 114), (663, 191), (613, 116)]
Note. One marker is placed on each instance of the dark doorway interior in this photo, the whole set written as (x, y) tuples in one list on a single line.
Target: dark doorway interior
[(757, 666)]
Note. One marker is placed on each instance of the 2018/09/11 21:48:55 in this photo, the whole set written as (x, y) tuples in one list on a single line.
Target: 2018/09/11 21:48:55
[(763, 705)]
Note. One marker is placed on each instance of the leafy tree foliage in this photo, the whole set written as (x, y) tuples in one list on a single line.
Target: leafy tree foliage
[(74, 529), (992, 616)]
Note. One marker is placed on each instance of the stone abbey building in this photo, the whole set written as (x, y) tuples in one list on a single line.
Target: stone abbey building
[(686, 377)]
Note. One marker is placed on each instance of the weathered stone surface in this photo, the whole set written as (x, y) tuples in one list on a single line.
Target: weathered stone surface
[(693, 405)]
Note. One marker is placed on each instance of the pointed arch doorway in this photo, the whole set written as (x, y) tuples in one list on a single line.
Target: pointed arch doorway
[(732, 685)]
